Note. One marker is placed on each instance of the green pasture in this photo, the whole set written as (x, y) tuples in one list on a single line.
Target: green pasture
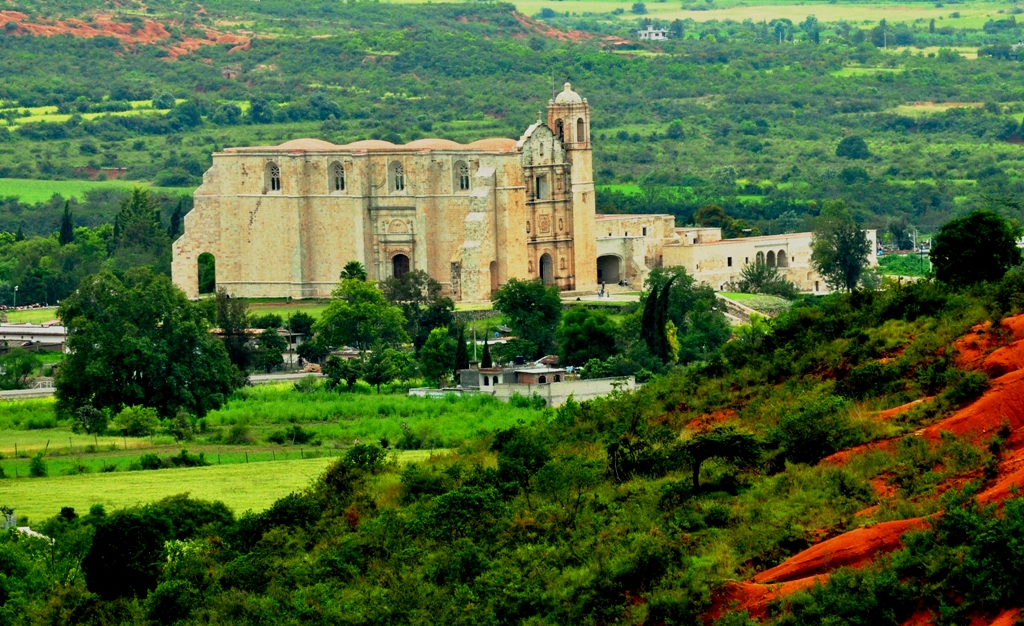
[(847, 72), (343, 418), (972, 14), (32, 316), (759, 302), (286, 309), (32, 191), (966, 52), (919, 109), (241, 486), (249, 469)]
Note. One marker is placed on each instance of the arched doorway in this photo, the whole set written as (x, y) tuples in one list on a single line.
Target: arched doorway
[(207, 273), (771, 258), (781, 260), (608, 269), (494, 276), (399, 265), (547, 270)]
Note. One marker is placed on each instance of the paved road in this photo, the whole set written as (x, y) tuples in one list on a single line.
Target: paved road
[(256, 379), (262, 379), (21, 394)]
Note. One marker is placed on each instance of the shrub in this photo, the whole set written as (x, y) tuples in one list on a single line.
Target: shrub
[(172, 601), (964, 386), (519, 401), (269, 320), (815, 428), (184, 459), (239, 434), (90, 419), (150, 462), (294, 434), (853, 147), (137, 421), (37, 467)]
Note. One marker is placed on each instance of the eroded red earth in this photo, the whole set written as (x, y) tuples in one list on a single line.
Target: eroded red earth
[(151, 33)]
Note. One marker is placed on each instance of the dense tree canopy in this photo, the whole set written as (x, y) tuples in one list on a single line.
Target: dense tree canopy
[(360, 316), (531, 310), (585, 334), (975, 248), (139, 341)]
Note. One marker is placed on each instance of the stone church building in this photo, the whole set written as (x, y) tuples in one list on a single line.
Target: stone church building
[(284, 220)]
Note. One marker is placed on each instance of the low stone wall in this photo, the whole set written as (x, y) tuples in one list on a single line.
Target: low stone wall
[(554, 394)]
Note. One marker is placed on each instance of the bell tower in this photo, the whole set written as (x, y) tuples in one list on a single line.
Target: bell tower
[(569, 120)]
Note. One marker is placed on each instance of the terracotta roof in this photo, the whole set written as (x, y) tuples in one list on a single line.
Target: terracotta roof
[(307, 144), (368, 144), (433, 144), (493, 144), (496, 144)]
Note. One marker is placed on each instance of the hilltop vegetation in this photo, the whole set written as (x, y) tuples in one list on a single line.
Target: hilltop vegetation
[(592, 514), (727, 112)]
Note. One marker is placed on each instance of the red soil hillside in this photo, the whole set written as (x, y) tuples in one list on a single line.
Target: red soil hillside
[(104, 25), (754, 598), (974, 346), (1006, 618), (546, 31), (853, 549), (1002, 403), (888, 414)]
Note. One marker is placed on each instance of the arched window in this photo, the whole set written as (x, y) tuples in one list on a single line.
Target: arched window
[(207, 273), (337, 177), (560, 130), (543, 379), (462, 176), (581, 131), (558, 378), (486, 383), (273, 177), (781, 260), (771, 258), (397, 177), (759, 258)]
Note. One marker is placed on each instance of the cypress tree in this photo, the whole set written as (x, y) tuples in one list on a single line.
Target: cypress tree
[(67, 226), (485, 360), (20, 235), (175, 226), (647, 332), (461, 352), (661, 320)]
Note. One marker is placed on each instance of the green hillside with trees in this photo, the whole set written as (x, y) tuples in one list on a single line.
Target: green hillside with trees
[(851, 458)]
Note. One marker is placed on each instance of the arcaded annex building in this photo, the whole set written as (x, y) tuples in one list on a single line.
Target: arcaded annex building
[(282, 221)]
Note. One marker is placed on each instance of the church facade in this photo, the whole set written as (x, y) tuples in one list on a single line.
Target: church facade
[(284, 220)]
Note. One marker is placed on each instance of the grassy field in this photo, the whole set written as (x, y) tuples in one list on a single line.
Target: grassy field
[(848, 72), (759, 302), (971, 14), (32, 316), (31, 190), (286, 309), (242, 487), (252, 462)]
